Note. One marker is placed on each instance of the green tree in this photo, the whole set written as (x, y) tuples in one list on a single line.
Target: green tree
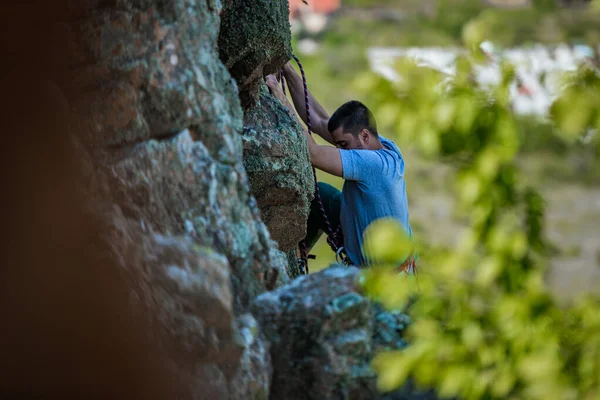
[(486, 325)]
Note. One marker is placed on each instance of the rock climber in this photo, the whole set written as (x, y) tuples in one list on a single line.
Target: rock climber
[(371, 165)]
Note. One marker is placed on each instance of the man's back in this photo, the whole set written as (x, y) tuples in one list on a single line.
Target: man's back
[(374, 188)]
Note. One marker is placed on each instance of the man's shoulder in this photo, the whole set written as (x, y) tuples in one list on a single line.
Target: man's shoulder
[(384, 139), (386, 142), (390, 145)]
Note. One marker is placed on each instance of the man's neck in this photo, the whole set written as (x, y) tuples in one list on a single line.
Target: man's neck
[(376, 145)]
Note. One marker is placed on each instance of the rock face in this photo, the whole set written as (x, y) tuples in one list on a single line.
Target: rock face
[(175, 186), (161, 113), (255, 41), (160, 117), (323, 335), (184, 290), (182, 180), (145, 69), (253, 376), (277, 164)]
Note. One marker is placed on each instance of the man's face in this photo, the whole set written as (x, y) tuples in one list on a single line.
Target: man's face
[(347, 141)]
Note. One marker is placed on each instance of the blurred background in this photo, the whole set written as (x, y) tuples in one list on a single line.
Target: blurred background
[(343, 42)]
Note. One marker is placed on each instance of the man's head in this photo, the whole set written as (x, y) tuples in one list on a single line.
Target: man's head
[(353, 126)]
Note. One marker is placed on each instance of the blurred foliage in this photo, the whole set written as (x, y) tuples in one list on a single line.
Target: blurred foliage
[(379, 235), (341, 59), (440, 23), (486, 325), (577, 111)]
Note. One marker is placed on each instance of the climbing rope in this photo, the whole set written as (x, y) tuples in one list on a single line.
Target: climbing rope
[(334, 238)]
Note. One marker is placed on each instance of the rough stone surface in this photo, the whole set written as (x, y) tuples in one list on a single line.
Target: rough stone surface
[(143, 69), (323, 336), (175, 186), (159, 123), (143, 72), (165, 148), (255, 41), (278, 167), (185, 292), (253, 377), (293, 267)]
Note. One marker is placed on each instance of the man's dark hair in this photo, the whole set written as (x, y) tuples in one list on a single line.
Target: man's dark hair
[(353, 117)]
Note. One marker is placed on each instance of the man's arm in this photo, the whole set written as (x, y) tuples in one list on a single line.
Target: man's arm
[(275, 90), (318, 116), (325, 158)]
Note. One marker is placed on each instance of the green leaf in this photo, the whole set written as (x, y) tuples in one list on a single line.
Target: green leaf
[(393, 368), (474, 33), (385, 241)]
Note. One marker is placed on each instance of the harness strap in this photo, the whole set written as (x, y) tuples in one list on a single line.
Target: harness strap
[(409, 267)]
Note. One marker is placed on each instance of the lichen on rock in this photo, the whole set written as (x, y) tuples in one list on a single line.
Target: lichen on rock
[(206, 200), (176, 186), (146, 69), (278, 167), (255, 40), (324, 334), (182, 294), (253, 377), (160, 117)]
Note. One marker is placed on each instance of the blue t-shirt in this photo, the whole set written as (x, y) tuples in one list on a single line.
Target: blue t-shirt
[(374, 188)]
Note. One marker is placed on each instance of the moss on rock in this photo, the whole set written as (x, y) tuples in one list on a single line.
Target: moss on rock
[(255, 40), (278, 167)]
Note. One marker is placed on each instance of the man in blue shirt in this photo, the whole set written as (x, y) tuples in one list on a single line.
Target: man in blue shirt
[(371, 165)]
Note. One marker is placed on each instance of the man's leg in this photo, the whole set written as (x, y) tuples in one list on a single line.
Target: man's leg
[(331, 199)]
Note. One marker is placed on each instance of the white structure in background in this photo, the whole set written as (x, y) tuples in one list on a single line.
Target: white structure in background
[(538, 69), (311, 16), (308, 46), (312, 23)]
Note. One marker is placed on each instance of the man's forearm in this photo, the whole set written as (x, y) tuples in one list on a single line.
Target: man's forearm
[(296, 86), (319, 116)]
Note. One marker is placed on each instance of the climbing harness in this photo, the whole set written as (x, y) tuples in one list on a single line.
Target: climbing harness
[(334, 238), (340, 255), (409, 268)]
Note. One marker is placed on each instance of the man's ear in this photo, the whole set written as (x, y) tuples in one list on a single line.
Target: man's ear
[(364, 133)]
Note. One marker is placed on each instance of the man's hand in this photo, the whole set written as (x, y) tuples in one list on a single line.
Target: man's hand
[(275, 89), (325, 158)]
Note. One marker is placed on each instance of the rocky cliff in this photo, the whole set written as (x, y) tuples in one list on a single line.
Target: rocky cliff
[(199, 183)]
